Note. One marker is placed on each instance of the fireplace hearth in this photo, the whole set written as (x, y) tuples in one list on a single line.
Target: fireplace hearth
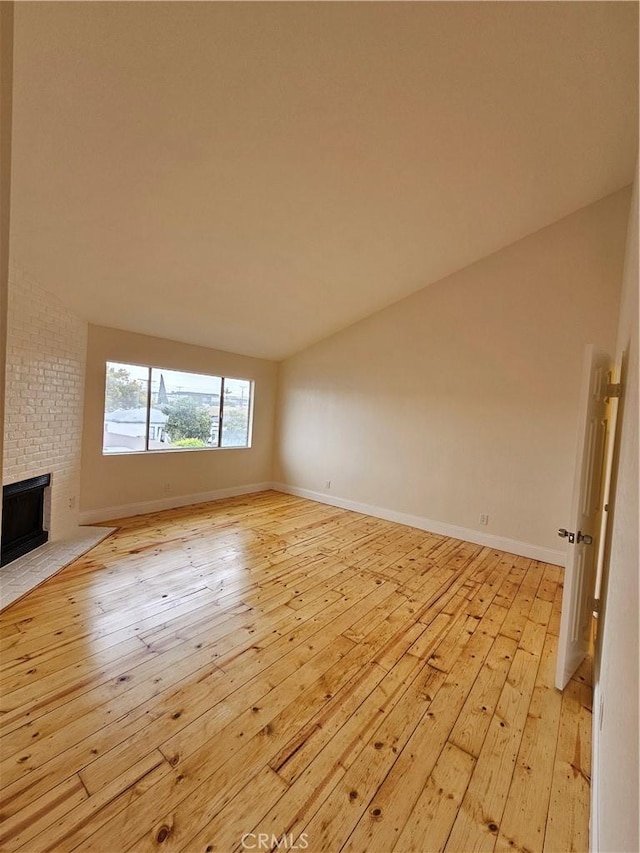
[(23, 517)]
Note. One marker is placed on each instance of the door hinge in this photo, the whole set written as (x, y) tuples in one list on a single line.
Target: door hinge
[(612, 389), (594, 605)]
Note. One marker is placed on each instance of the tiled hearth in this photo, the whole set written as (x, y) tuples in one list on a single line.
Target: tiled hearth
[(25, 573)]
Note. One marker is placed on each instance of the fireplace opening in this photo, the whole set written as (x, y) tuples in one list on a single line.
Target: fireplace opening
[(23, 517)]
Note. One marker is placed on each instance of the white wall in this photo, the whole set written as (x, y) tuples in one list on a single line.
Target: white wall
[(46, 350), (461, 399), (616, 755), (117, 485)]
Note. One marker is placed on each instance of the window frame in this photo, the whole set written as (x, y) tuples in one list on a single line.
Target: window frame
[(220, 417)]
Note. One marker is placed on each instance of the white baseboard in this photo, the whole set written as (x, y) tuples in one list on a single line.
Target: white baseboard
[(500, 543), (91, 516)]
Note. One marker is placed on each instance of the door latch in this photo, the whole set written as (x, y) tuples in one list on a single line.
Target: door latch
[(567, 534), (581, 537)]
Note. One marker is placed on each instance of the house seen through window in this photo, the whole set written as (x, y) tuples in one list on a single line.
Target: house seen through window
[(156, 409)]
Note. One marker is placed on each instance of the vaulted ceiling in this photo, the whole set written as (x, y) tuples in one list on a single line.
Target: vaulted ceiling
[(255, 176)]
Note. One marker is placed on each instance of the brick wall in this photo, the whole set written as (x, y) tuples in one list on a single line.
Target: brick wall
[(46, 354)]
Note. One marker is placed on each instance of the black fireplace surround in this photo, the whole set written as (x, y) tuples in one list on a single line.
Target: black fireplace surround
[(23, 517)]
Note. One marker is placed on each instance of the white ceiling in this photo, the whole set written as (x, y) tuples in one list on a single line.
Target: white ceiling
[(254, 176)]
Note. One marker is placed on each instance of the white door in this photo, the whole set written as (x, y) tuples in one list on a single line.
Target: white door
[(584, 527), (612, 419)]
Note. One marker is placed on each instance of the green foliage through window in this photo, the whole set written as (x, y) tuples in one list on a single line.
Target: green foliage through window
[(187, 420), (190, 442), (123, 392)]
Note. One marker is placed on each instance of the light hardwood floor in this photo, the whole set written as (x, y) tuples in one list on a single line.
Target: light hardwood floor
[(270, 665)]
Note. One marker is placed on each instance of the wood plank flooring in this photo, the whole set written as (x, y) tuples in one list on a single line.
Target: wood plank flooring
[(280, 671)]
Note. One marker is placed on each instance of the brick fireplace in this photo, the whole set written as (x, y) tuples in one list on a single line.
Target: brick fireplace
[(46, 352)]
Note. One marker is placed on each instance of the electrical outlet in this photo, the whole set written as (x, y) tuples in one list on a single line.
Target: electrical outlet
[(484, 518), (167, 488), (72, 502), (327, 484)]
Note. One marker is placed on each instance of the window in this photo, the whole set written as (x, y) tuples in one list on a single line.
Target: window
[(157, 409)]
